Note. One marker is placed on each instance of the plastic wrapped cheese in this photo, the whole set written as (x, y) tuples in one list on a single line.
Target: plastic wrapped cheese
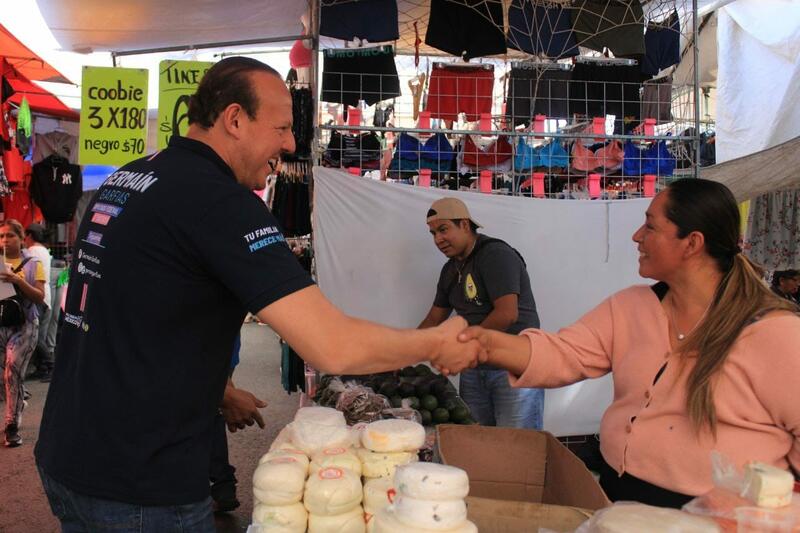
[(430, 514), (337, 457), (385, 521), (297, 455), (349, 522), (393, 435), (431, 481), (332, 491), (283, 439), (280, 481), (375, 464), (311, 437), (767, 486), (281, 518), (355, 434), (627, 517), (325, 416), (377, 494)]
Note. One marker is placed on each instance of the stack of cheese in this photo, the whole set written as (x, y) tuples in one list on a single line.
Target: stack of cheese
[(388, 444), (430, 497), (317, 428), (278, 485)]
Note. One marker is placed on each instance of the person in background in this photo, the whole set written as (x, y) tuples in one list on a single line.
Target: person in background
[(486, 282), (785, 283), (25, 273), (705, 359), (42, 359), (184, 250)]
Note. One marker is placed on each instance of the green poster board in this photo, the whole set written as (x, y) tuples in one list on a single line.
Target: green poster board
[(113, 127), (177, 81)]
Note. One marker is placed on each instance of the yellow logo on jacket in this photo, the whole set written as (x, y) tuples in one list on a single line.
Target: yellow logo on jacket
[(470, 289)]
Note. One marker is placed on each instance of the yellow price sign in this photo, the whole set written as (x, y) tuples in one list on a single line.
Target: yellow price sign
[(113, 127), (177, 81)]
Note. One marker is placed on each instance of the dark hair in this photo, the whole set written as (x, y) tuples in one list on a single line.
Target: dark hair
[(227, 82), (780, 275), (37, 232), (709, 207)]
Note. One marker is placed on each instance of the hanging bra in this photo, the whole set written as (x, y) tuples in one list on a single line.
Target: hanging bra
[(655, 159), (435, 148), (610, 156), (497, 152), (299, 55), (550, 155)]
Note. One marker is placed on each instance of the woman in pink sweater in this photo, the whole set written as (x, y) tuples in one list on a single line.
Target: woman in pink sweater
[(706, 359)]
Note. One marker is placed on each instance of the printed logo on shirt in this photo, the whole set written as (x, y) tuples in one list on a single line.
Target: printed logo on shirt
[(86, 271), (470, 289), (88, 257), (83, 297), (66, 178), (94, 238), (75, 320), (101, 219), (108, 209), (115, 197), (135, 181), (263, 237)]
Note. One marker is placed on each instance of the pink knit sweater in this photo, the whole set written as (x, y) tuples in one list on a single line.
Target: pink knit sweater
[(646, 430)]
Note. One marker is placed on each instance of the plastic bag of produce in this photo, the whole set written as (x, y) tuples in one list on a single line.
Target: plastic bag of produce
[(360, 404)]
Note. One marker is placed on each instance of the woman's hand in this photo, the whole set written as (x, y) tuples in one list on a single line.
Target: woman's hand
[(8, 276)]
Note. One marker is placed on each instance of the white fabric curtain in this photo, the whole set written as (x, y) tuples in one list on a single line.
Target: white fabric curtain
[(376, 260)]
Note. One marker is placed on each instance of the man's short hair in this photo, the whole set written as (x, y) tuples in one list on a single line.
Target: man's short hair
[(227, 82)]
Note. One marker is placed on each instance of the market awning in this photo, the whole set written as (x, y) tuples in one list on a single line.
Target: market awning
[(26, 61), (39, 99)]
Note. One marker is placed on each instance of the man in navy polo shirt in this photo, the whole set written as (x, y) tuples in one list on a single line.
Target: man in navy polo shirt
[(173, 252)]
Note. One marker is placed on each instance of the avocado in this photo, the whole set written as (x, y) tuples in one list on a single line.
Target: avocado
[(459, 414), (388, 389), (396, 401), (422, 389), (427, 418), (429, 402), (408, 372), (469, 421), (423, 370), (413, 402), (406, 389), (439, 387), (440, 415)]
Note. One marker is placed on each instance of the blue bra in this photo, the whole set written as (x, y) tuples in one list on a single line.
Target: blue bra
[(435, 148), (656, 160), (549, 155)]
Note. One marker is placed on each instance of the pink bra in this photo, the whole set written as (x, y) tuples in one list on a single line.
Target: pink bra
[(609, 157), (299, 55)]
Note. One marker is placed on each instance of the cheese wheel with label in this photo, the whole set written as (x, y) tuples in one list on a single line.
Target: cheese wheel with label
[(431, 481), (377, 494), (311, 437), (336, 457), (292, 453), (393, 435), (349, 522), (332, 491), (385, 521), (383, 464), (325, 416), (279, 481), (427, 514), (281, 518)]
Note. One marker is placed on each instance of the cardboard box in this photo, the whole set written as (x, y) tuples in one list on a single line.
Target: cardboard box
[(520, 479)]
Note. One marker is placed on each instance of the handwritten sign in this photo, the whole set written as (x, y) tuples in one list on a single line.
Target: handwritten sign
[(113, 127), (177, 81)]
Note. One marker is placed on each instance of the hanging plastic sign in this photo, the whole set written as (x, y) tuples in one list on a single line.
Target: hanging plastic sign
[(177, 81), (113, 127)]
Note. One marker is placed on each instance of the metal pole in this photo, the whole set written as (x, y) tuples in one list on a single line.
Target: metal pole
[(696, 91), (202, 46)]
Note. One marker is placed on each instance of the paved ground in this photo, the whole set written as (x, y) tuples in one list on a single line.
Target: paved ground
[(23, 505)]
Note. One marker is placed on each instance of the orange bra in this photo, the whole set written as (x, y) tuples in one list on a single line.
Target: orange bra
[(609, 157)]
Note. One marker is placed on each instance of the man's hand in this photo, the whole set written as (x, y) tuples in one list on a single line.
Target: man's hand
[(453, 356), (240, 408)]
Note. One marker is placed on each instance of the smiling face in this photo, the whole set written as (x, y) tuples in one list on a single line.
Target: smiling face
[(661, 252), (264, 138), (453, 238)]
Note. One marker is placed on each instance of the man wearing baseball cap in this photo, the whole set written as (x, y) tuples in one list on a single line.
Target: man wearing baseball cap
[(486, 282)]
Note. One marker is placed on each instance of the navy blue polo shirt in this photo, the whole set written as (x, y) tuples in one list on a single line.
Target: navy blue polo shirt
[(169, 257)]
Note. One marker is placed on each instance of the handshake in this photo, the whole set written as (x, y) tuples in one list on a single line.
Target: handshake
[(459, 347)]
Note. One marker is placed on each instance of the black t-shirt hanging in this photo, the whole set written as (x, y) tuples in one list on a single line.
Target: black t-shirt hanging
[(170, 256), (56, 186)]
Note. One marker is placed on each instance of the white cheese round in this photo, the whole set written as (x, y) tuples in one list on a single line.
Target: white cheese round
[(332, 491), (283, 439), (431, 481), (311, 437), (325, 416), (375, 464), (638, 517), (355, 434), (393, 435), (426, 514), (336, 457), (279, 482), (349, 522), (291, 453), (385, 521), (281, 518), (377, 494)]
